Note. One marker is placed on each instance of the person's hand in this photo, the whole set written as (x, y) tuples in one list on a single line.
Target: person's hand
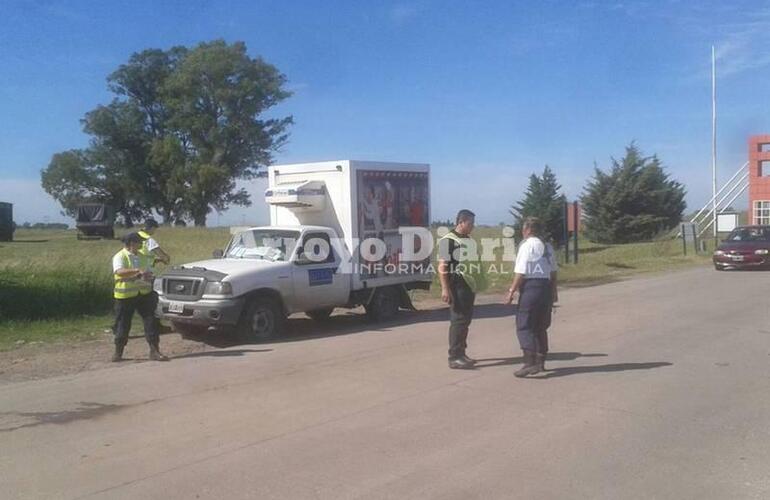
[(555, 296), (446, 296), (509, 297), (147, 275)]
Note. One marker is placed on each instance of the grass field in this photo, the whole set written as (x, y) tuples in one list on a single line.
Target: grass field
[(54, 286)]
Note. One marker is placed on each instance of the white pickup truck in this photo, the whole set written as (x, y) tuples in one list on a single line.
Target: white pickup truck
[(310, 259)]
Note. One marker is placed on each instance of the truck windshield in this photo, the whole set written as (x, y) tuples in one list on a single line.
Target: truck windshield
[(263, 244)]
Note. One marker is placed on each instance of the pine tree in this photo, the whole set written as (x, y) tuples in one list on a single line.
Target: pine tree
[(544, 200), (635, 201)]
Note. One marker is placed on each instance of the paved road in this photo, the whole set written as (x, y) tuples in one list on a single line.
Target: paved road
[(660, 389)]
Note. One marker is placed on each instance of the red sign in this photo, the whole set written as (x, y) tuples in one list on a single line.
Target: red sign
[(571, 219)]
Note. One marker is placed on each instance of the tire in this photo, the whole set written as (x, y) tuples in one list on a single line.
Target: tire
[(384, 304), (188, 331), (320, 314), (262, 320)]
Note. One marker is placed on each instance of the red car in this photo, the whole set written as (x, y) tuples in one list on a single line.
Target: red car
[(747, 247)]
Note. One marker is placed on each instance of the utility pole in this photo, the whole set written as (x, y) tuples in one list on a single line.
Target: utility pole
[(714, 142)]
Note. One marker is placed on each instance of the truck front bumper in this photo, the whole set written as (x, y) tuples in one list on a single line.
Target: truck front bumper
[(204, 312)]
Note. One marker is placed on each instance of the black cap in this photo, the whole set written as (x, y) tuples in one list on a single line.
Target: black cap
[(131, 238), (150, 223)]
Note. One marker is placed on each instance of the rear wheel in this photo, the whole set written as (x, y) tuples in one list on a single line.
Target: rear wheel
[(320, 314), (262, 320), (384, 304)]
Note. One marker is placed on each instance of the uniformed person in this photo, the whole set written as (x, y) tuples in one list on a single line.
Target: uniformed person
[(459, 285), (150, 247), (535, 281), (132, 272)]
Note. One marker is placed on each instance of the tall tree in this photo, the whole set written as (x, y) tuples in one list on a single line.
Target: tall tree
[(635, 201), (216, 97), (185, 125), (543, 199)]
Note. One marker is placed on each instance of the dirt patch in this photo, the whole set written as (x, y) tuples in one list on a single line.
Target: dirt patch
[(39, 360)]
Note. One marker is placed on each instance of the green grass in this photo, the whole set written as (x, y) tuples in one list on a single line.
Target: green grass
[(601, 263), (53, 286)]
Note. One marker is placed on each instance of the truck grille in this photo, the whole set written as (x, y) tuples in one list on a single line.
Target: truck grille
[(180, 287)]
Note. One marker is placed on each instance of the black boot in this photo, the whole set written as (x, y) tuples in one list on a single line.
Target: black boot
[(460, 364), (530, 367), (155, 354), (467, 359), (540, 358), (118, 356)]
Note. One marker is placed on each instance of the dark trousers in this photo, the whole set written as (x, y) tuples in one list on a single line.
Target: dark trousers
[(460, 315), (124, 311), (534, 315)]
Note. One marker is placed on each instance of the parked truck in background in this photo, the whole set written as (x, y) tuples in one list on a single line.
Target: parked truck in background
[(310, 259), (7, 226)]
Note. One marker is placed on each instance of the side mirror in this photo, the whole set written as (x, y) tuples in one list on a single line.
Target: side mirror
[(218, 253)]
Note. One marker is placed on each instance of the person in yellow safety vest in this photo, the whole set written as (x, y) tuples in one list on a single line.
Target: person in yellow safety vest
[(132, 273), (461, 276), (150, 247)]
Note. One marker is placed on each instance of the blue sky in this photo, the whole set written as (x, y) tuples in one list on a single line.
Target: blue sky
[(486, 92)]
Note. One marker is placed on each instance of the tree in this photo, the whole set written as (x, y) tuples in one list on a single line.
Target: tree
[(73, 177), (635, 201), (216, 97), (543, 200), (184, 126)]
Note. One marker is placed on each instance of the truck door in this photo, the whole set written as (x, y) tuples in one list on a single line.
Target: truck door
[(317, 283)]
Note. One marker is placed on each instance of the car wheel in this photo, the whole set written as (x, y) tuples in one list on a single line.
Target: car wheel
[(262, 320), (384, 305), (320, 314)]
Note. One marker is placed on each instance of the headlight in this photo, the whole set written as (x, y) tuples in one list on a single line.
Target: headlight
[(218, 288), (157, 285), (761, 251), (719, 252)]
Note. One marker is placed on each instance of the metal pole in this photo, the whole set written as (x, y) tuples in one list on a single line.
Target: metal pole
[(684, 240), (566, 232), (714, 140), (575, 219)]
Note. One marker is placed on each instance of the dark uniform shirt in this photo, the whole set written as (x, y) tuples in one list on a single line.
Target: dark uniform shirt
[(451, 247)]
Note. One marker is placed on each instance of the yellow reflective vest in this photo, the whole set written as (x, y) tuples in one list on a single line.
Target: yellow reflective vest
[(126, 288), (472, 272)]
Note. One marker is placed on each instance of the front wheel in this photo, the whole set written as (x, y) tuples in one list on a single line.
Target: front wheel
[(262, 320)]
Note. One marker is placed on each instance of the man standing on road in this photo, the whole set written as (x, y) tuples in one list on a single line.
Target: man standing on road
[(133, 291), (458, 287), (535, 281), (150, 247)]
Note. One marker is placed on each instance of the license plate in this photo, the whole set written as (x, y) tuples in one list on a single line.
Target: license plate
[(175, 307), (737, 258)]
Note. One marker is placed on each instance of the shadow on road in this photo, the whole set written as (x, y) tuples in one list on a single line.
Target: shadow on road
[(219, 354), (552, 356), (619, 367), (349, 323)]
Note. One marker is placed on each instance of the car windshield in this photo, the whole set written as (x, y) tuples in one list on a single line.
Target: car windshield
[(262, 244), (750, 234)]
